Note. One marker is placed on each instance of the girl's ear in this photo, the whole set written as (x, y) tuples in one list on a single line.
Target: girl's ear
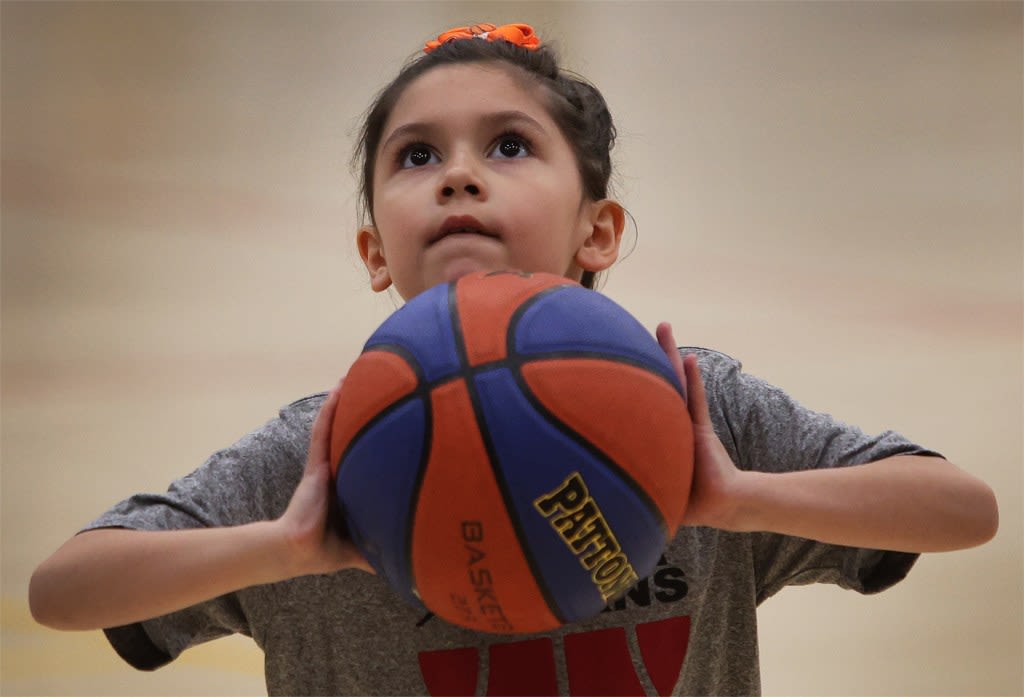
[(600, 249), (372, 252)]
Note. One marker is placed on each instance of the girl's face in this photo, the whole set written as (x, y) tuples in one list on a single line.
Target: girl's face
[(472, 174)]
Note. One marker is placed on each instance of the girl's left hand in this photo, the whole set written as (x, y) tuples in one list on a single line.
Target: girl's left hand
[(716, 479), (921, 504)]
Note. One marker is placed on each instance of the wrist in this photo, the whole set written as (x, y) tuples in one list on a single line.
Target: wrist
[(287, 543), (749, 510), (269, 556)]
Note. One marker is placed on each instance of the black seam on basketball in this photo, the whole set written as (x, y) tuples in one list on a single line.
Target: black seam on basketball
[(422, 390), (605, 459), (421, 471), (456, 322), (514, 359), (405, 354), (492, 457), (513, 321), (517, 360)]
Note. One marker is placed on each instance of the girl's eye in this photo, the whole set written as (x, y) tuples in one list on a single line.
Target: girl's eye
[(416, 155), (511, 146)]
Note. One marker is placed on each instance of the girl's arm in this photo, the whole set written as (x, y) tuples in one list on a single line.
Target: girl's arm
[(918, 504), (110, 577)]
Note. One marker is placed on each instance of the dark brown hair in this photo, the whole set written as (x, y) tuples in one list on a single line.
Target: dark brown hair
[(573, 103)]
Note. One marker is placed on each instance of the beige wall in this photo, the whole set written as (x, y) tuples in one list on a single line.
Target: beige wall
[(829, 191)]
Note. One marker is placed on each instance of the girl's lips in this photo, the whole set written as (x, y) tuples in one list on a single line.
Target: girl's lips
[(461, 225)]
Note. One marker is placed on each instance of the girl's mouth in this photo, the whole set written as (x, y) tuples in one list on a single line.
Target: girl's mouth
[(461, 225)]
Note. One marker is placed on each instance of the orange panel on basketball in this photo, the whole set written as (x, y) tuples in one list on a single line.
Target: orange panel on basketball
[(376, 380), (632, 415), (467, 563), (486, 306)]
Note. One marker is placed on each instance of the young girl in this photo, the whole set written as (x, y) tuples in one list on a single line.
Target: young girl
[(480, 155)]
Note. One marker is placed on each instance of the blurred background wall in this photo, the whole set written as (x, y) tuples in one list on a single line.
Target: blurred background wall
[(830, 192)]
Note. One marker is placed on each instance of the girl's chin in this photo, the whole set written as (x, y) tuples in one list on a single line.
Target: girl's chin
[(457, 268)]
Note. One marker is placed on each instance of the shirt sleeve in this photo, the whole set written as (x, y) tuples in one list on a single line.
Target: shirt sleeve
[(765, 429), (251, 480)]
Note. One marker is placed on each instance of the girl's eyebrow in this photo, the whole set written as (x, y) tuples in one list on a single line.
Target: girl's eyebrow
[(490, 120)]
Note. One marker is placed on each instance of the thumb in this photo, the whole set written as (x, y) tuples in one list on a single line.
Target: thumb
[(698, 402), (320, 438), (668, 344)]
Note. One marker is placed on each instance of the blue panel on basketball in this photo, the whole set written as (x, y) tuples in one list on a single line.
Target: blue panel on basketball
[(375, 487), (424, 329), (564, 319), (535, 457)]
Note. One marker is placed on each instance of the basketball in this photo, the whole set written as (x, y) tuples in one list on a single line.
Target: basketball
[(511, 451)]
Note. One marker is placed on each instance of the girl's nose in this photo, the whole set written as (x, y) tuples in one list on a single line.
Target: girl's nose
[(461, 178), (471, 189)]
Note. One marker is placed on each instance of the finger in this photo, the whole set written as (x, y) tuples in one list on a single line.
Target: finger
[(320, 438), (698, 403), (668, 344), (360, 562)]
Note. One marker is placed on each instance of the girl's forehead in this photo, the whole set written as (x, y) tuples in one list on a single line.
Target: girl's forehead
[(454, 91)]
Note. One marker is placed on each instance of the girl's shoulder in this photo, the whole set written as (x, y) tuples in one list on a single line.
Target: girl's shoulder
[(303, 409), (715, 367), (712, 357)]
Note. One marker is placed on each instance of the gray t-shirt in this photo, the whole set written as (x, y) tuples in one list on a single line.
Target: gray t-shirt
[(687, 629)]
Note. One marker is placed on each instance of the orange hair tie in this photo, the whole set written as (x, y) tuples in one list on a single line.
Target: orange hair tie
[(518, 34)]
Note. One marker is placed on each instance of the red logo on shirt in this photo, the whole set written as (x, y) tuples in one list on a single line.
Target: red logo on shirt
[(597, 663)]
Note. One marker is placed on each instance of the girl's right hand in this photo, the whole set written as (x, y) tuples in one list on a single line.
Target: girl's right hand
[(314, 544), (114, 576)]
